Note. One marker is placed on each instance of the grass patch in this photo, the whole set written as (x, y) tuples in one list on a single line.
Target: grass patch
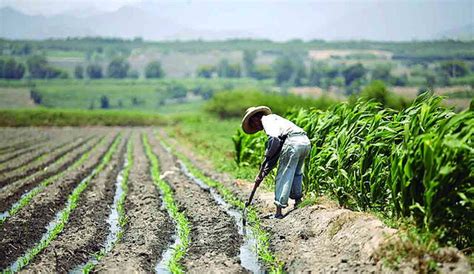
[(262, 237), (309, 200), (66, 117), (419, 248), (182, 223), (26, 198), (63, 215), (122, 218), (211, 138)]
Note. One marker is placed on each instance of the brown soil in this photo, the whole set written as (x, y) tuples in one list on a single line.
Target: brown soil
[(149, 228), (21, 151), (22, 171), (13, 191), (87, 229), (215, 242), (20, 141), (24, 229), (62, 143)]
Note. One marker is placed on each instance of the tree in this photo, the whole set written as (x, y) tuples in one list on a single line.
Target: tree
[(79, 72), (378, 91), (249, 62), (226, 70), (37, 66), (36, 96), (455, 68), (262, 72), (289, 70), (40, 69), (10, 69), (353, 73), (317, 71), (176, 90), (118, 68), (154, 70), (205, 71), (94, 71), (382, 72), (104, 102)]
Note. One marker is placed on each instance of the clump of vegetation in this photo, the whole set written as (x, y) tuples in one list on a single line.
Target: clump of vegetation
[(55, 117), (234, 103), (420, 250), (378, 92), (411, 163)]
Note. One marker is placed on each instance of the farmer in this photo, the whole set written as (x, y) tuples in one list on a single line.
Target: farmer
[(286, 142)]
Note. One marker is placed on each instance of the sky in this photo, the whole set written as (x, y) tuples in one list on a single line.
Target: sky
[(285, 19)]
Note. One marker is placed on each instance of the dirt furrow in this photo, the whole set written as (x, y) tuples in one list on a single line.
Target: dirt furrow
[(26, 140), (149, 229), (59, 145), (87, 229), (22, 171), (34, 145), (13, 191), (215, 242), (22, 230)]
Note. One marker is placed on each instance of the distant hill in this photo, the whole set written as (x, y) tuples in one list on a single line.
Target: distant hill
[(461, 33), (126, 22), (274, 20)]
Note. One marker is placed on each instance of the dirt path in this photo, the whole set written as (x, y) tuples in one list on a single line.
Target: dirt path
[(149, 229), (22, 230), (87, 228), (215, 242)]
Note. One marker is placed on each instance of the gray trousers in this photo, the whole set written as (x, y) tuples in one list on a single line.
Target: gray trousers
[(289, 178)]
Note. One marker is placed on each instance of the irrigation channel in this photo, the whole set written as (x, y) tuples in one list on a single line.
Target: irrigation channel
[(248, 250), (114, 200)]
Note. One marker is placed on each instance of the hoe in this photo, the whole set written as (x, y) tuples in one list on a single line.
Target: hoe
[(249, 201)]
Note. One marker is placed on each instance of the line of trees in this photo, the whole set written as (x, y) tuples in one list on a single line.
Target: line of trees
[(118, 68), (291, 70), (36, 65)]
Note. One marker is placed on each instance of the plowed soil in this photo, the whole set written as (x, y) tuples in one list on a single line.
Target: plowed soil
[(33, 218), (215, 241), (87, 229), (149, 228)]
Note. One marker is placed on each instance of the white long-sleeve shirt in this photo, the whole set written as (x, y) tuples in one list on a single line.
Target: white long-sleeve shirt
[(275, 125)]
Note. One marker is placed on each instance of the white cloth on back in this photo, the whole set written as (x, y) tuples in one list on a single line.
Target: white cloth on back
[(275, 125)]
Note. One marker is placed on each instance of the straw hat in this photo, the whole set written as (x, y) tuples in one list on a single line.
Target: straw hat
[(251, 112)]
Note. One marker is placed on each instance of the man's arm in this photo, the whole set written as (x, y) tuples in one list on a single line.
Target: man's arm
[(272, 153)]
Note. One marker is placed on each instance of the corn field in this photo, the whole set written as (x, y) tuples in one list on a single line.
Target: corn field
[(418, 162)]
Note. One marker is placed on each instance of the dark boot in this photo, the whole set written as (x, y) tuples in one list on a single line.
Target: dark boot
[(278, 214)]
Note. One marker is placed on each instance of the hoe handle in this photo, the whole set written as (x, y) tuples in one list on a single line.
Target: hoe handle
[(256, 184)]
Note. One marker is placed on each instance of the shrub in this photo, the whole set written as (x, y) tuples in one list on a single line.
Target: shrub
[(234, 103)]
